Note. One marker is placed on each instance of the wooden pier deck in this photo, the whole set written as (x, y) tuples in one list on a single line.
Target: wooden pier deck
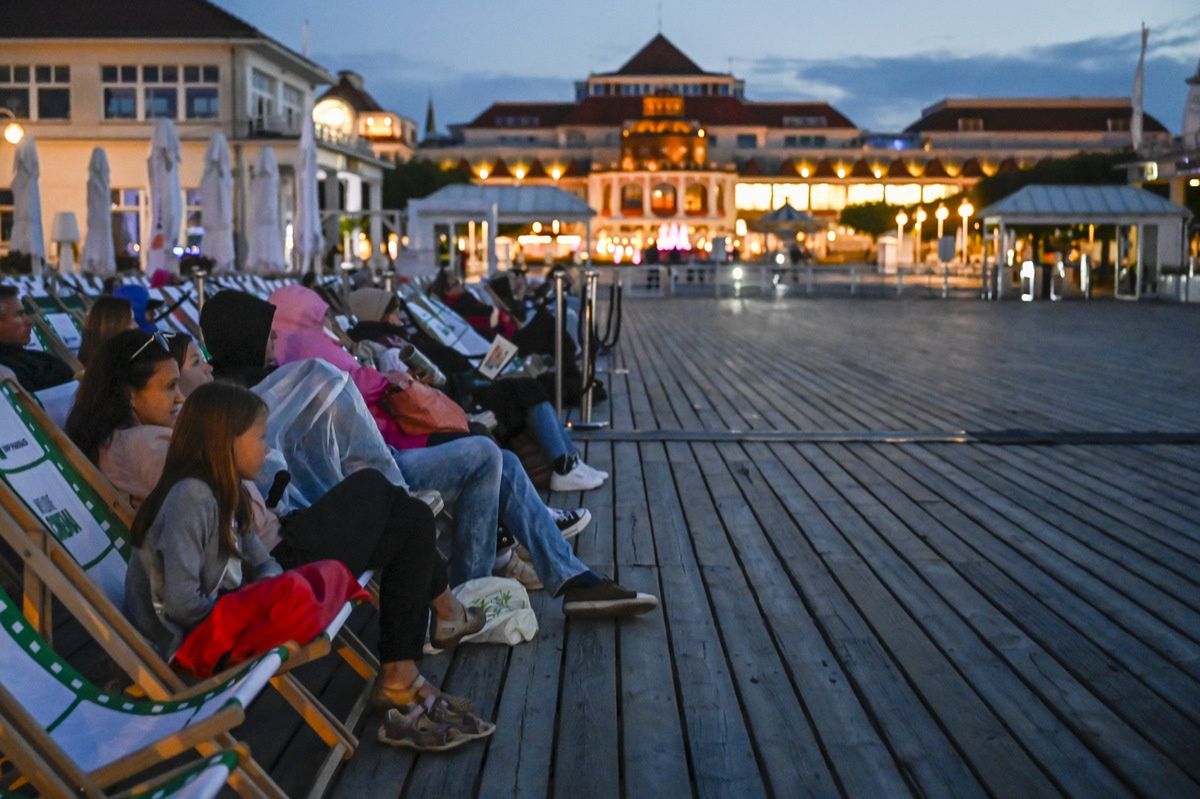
[(849, 613)]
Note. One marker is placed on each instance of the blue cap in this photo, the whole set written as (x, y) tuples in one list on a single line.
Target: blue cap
[(138, 298)]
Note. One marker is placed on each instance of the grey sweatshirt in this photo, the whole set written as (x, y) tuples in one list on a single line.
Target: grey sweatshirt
[(173, 578)]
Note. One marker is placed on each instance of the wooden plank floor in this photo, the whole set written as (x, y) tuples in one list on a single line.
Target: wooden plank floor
[(856, 618)]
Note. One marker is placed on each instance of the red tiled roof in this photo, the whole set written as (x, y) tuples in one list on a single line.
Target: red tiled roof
[(659, 57), (935, 169), (615, 111), (861, 169), (750, 168), (357, 98), (547, 114), (1033, 117), (971, 169), (825, 169)]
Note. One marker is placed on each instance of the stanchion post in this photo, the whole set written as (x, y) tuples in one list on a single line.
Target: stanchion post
[(945, 280), (560, 306), (588, 308), (198, 281), (899, 281)]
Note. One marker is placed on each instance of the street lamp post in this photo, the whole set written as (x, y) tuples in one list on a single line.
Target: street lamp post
[(921, 217), (901, 221), (942, 213), (965, 210)]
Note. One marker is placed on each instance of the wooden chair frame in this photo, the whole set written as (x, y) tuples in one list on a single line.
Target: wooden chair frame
[(51, 571)]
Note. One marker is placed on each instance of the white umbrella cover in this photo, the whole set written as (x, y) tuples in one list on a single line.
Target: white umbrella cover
[(216, 204), (27, 234), (99, 256), (166, 197), (266, 232), (306, 233)]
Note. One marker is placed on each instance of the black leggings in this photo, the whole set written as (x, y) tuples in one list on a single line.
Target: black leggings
[(368, 523)]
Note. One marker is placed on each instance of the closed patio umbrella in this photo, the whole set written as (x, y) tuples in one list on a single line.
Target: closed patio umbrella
[(166, 197), (27, 234), (216, 204), (99, 256), (306, 233), (266, 233)]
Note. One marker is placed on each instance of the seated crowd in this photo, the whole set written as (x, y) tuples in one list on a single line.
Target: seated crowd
[(250, 533)]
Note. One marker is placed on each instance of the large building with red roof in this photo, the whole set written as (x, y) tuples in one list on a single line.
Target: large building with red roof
[(663, 148)]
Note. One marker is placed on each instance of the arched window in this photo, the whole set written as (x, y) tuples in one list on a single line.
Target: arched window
[(695, 200), (663, 200), (631, 199)]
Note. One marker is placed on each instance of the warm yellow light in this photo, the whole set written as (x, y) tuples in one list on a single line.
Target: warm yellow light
[(519, 173), (831, 235), (942, 212), (483, 173), (901, 219), (554, 226), (878, 174), (537, 227), (1194, 182), (700, 134), (555, 173), (13, 133), (364, 248), (841, 173), (921, 215), (803, 171), (966, 209)]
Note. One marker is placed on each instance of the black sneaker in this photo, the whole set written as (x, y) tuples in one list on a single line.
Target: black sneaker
[(606, 599), (571, 522)]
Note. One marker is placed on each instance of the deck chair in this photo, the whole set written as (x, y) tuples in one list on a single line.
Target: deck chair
[(202, 779), (71, 529), (91, 739)]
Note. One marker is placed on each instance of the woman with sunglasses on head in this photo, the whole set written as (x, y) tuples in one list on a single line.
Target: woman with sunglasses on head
[(123, 420)]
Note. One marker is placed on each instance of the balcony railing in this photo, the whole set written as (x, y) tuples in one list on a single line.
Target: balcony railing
[(281, 126)]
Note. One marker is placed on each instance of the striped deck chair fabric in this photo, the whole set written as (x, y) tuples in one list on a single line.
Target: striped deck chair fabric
[(94, 728)]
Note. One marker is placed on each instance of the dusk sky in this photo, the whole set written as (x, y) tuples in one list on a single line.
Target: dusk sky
[(878, 62)]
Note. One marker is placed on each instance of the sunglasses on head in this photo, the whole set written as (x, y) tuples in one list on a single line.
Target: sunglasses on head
[(163, 339)]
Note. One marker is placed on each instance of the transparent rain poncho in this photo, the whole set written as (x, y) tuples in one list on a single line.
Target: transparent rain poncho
[(320, 431)]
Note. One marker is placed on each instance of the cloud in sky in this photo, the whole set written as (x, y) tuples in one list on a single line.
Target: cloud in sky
[(879, 93), (887, 93)]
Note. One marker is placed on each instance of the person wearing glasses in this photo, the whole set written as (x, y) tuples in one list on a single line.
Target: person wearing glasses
[(33, 369)]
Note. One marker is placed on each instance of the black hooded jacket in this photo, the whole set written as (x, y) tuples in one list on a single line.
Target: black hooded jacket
[(236, 327)]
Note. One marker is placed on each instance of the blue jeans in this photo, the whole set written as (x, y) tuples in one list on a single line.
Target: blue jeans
[(548, 431), (482, 486)]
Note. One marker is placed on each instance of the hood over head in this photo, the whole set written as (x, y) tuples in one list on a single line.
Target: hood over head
[(139, 300), (370, 304), (297, 308), (236, 327)]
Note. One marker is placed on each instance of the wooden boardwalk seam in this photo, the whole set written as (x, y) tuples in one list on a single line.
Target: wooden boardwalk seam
[(854, 602)]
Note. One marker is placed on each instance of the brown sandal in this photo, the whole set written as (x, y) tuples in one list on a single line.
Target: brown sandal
[(413, 728)]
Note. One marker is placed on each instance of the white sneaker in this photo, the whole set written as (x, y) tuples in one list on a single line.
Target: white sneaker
[(578, 479), (593, 470)]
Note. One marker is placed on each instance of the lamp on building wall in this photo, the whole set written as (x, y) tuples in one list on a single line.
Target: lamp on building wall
[(942, 213), (965, 210), (13, 131), (901, 221)]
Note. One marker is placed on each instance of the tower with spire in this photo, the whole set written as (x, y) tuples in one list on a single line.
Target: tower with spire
[(430, 121)]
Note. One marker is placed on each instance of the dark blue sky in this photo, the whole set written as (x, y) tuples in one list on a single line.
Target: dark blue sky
[(878, 62)]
